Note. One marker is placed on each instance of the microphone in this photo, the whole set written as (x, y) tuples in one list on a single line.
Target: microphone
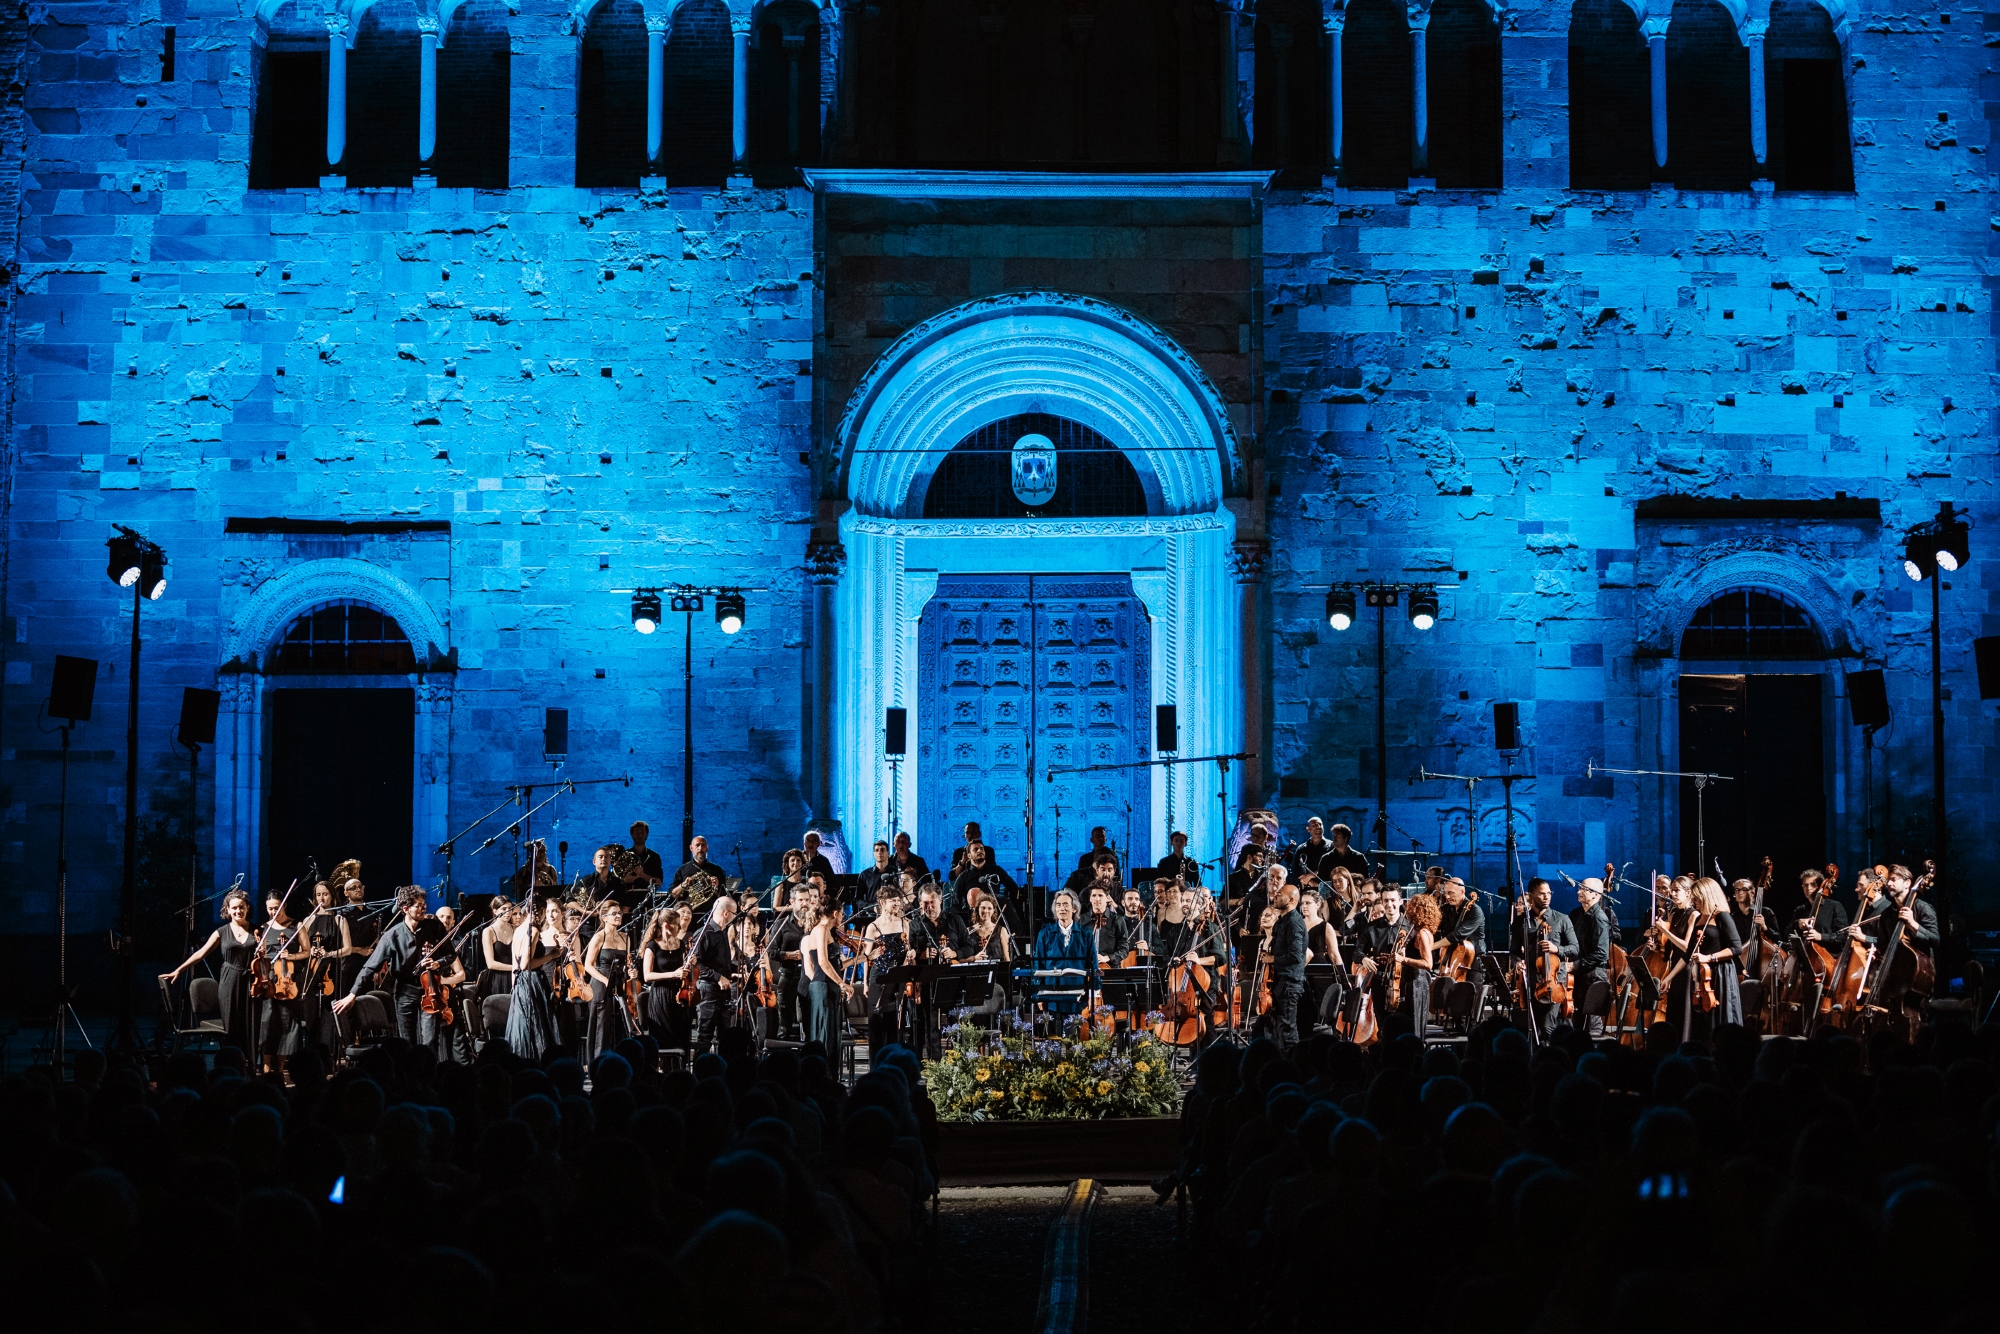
[(562, 848), (1590, 769)]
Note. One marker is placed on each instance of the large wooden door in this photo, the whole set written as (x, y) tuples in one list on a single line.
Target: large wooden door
[(1018, 674)]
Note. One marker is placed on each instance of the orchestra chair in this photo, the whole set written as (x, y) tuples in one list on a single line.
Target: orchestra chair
[(1966, 1005), (1595, 1003), (374, 1020), (1751, 992), (204, 1018), (1457, 1009), (493, 1012)]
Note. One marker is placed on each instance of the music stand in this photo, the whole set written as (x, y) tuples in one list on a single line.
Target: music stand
[(964, 986), (1142, 982)]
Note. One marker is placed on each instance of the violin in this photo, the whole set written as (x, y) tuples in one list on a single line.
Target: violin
[(1394, 964), (629, 987), (272, 975), (434, 993)]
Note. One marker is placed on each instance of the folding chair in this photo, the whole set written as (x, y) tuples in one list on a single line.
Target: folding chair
[(204, 1018)]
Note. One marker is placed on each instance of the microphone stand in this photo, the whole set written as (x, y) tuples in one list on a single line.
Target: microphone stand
[(1701, 782), (449, 846)]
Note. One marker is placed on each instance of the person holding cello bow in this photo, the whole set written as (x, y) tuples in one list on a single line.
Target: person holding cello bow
[(1539, 936), (1139, 929), (1895, 922), (1756, 925), (1595, 935), (1822, 918), (1284, 958), (393, 964), (1461, 936)]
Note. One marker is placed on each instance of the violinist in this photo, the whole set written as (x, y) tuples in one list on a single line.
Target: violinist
[(962, 854), (662, 960), (327, 943), (454, 1043), (496, 947), (1421, 915), (1138, 927), (987, 940), (1720, 948), (392, 966), (280, 1026), (716, 986), (827, 989), (1285, 950), (1595, 934), (531, 1023), (1177, 865), (886, 942), (568, 937), (608, 960), (936, 936), (1540, 934), (1107, 926), (237, 944)]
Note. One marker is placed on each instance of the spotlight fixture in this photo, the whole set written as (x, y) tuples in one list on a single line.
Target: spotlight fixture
[(685, 602), (1920, 557), (1953, 546), (123, 566), (1424, 608), (1340, 608), (729, 612), (645, 612), (1382, 597), (153, 573)]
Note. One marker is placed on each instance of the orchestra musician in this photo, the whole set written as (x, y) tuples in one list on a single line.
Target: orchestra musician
[(1891, 908), (815, 859), (453, 1043), (531, 1025), (1065, 944), (1106, 924), (698, 866), (907, 861), (1185, 929), (827, 990), (981, 876), (1743, 900), (496, 947), (1306, 856), (960, 854), (715, 987), (873, 877), (1177, 865), (364, 926), (327, 943), (392, 965), (1285, 951), (987, 939), (1140, 933), (1720, 948), (280, 1024), (1822, 918), (662, 965), (1595, 935), (237, 946), (788, 957), (1461, 921), (646, 871), (608, 959), (886, 941), (790, 879), (1538, 933), (1419, 954), (1322, 947), (1087, 861), (1343, 854)]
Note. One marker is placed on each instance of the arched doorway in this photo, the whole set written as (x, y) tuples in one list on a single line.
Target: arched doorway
[(1143, 457), (1753, 707)]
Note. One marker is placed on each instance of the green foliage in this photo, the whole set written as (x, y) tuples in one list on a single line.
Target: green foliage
[(1011, 1075)]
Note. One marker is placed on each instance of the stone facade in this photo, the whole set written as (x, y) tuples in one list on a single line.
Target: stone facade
[(596, 389)]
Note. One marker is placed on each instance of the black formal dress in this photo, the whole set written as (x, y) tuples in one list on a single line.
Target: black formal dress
[(321, 1024), (279, 1022), (669, 1021), (233, 989), (609, 1023)]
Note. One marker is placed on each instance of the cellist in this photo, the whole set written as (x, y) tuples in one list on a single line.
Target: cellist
[(1539, 934), (1893, 919), (1461, 921), (1822, 917)]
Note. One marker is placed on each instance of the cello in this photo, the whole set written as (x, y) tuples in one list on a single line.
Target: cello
[(1902, 969)]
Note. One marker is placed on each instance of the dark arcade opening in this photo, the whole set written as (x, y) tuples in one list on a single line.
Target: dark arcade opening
[(341, 764)]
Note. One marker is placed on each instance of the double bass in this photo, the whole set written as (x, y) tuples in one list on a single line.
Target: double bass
[(1903, 970), (1798, 985)]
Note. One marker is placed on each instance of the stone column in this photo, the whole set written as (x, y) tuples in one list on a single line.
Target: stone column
[(656, 86), (825, 562), (1419, 14), (1753, 32), (1655, 30), (1336, 24), (427, 95), (1247, 561), (336, 91), (739, 131)]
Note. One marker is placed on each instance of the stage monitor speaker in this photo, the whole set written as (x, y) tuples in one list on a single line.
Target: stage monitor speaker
[(555, 731), (1986, 653), (897, 725), (1166, 728), (71, 691), (198, 708), (1868, 699), (1506, 726)]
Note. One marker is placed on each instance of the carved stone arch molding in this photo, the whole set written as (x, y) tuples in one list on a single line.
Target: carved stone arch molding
[(1053, 352), (1796, 570), (278, 602)]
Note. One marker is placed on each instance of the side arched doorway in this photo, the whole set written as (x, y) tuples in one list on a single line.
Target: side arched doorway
[(1755, 706), (939, 518)]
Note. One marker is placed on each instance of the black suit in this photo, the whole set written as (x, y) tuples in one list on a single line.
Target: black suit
[(1288, 974), (1594, 936)]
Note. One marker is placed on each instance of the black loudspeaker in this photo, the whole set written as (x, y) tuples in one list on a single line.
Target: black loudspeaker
[(897, 725), (198, 708), (70, 693), (1868, 699), (1506, 726), (1166, 728), (1986, 653), (555, 731)]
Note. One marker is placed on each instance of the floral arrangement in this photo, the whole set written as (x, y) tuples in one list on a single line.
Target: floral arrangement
[(1009, 1074)]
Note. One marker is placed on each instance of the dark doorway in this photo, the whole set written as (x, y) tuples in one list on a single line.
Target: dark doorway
[(340, 765), (1765, 731)]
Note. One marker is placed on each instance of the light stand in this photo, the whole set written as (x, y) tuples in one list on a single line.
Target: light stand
[(140, 564), (1868, 792), (1701, 782), (687, 730), (194, 844), (63, 1008), (1932, 550), (1424, 612)]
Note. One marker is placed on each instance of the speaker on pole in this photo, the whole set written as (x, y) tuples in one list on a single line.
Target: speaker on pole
[(74, 685), (897, 726), (1506, 726), (1166, 728), (555, 732), (198, 709), (1868, 698), (1986, 653)]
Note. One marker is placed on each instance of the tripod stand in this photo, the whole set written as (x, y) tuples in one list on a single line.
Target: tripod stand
[(1701, 782), (57, 1029)]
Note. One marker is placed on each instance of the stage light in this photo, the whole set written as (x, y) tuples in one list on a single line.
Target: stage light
[(1424, 608), (1953, 546), (1920, 557), (1340, 608), (685, 602), (645, 612), (153, 573), (123, 566), (729, 612)]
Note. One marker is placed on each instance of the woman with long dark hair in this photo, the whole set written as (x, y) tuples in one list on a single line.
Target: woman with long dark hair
[(236, 943)]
